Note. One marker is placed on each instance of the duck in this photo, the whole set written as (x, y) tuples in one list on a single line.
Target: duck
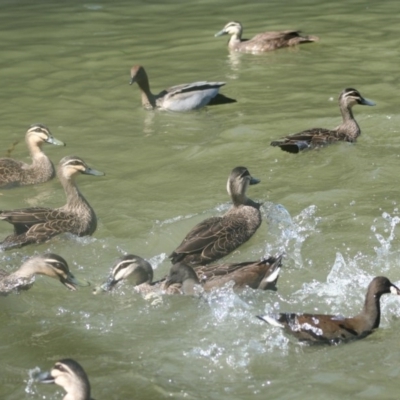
[(335, 329), (185, 97), (139, 273), (261, 275), (71, 376), (48, 264), (347, 131), (14, 173), (37, 224), (262, 42), (216, 237)]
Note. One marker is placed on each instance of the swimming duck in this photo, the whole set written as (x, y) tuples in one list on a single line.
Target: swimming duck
[(266, 41), (255, 274), (216, 237), (261, 275), (185, 97), (347, 131), (17, 173), (70, 375), (49, 264), (37, 225), (334, 329), (139, 273)]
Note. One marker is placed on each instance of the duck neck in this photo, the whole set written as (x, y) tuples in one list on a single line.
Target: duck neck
[(243, 200), (372, 310), (349, 125), (148, 99), (28, 269), (80, 392), (39, 159)]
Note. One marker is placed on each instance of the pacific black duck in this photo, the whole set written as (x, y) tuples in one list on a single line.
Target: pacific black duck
[(347, 131), (70, 375), (333, 329), (185, 97), (261, 275), (49, 264), (17, 173), (36, 225), (255, 274), (262, 42), (216, 237)]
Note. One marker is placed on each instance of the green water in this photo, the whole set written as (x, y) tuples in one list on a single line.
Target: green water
[(66, 64)]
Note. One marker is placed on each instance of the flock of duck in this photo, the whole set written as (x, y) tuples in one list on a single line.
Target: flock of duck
[(193, 269)]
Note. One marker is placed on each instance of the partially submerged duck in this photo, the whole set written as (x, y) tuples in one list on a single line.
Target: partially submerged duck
[(138, 272), (334, 329), (49, 264), (37, 225), (70, 375), (216, 237), (261, 275), (347, 131), (185, 97), (15, 173), (255, 274), (262, 42)]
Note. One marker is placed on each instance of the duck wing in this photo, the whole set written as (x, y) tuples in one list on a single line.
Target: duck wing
[(10, 172)]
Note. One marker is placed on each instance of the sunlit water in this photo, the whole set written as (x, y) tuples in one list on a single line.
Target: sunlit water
[(333, 212)]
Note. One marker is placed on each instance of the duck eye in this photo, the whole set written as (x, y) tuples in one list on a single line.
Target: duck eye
[(59, 367)]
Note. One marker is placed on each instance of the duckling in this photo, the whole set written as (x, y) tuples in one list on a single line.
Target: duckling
[(255, 274), (15, 173), (347, 131), (185, 97), (334, 329), (37, 225), (262, 42), (261, 275), (216, 237), (49, 264), (70, 375)]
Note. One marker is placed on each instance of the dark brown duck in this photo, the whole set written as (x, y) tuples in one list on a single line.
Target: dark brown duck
[(37, 225), (334, 329), (347, 131), (216, 237)]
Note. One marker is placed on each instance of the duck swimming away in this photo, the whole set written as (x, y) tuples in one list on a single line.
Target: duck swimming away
[(15, 173), (185, 97), (347, 131), (216, 237), (37, 225), (334, 329), (262, 42)]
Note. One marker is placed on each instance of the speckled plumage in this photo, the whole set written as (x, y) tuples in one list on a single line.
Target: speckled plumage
[(37, 225), (15, 173), (347, 131), (216, 237), (262, 42)]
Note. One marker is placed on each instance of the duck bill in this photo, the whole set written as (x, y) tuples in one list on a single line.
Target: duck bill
[(220, 33), (94, 172), (71, 282), (132, 81), (367, 102), (53, 140), (394, 290), (45, 377), (254, 181)]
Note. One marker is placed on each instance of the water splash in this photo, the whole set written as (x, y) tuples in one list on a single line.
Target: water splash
[(390, 224)]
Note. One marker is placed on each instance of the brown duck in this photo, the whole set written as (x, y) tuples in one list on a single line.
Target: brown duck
[(15, 173), (261, 275), (334, 329), (184, 97), (37, 225), (347, 131), (216, 237), (262, 42)]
